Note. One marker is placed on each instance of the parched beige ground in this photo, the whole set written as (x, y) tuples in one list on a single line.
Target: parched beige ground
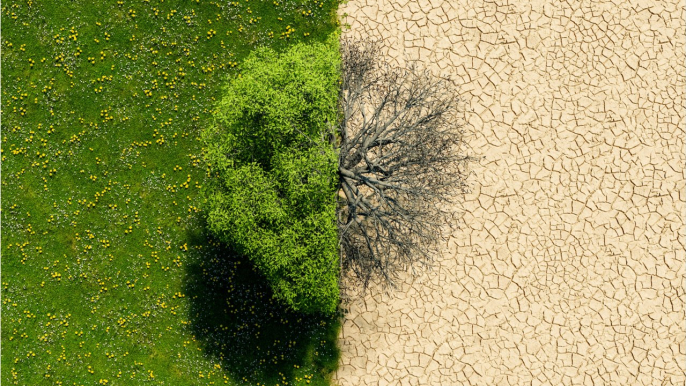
[(569, 269)]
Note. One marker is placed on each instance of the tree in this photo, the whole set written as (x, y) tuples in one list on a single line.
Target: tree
[(325, 155), (399, 165), (274, 174)]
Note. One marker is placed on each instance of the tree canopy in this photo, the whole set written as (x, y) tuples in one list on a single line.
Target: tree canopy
[(274, 174), (325, 157)]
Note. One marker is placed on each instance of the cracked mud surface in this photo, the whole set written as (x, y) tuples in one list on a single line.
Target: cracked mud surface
[(569, 267)]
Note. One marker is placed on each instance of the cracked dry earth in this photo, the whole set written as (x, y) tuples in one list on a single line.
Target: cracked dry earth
[(569, 267)]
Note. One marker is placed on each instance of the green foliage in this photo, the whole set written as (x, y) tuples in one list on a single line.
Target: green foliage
[(273, 191)]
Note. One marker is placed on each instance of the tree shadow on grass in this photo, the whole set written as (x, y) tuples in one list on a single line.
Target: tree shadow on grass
[(256, 339)]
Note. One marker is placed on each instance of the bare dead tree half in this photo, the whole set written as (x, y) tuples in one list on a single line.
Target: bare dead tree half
[(399, 167)]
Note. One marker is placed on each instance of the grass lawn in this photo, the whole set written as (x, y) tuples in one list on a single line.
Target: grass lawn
[(108, 274)]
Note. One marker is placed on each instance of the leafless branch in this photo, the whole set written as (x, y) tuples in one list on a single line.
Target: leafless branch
[(400, 171)]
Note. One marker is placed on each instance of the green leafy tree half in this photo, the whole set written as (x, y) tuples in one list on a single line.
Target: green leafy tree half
[(274, 171)]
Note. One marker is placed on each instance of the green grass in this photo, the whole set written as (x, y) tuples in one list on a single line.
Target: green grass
[(108, 273)]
